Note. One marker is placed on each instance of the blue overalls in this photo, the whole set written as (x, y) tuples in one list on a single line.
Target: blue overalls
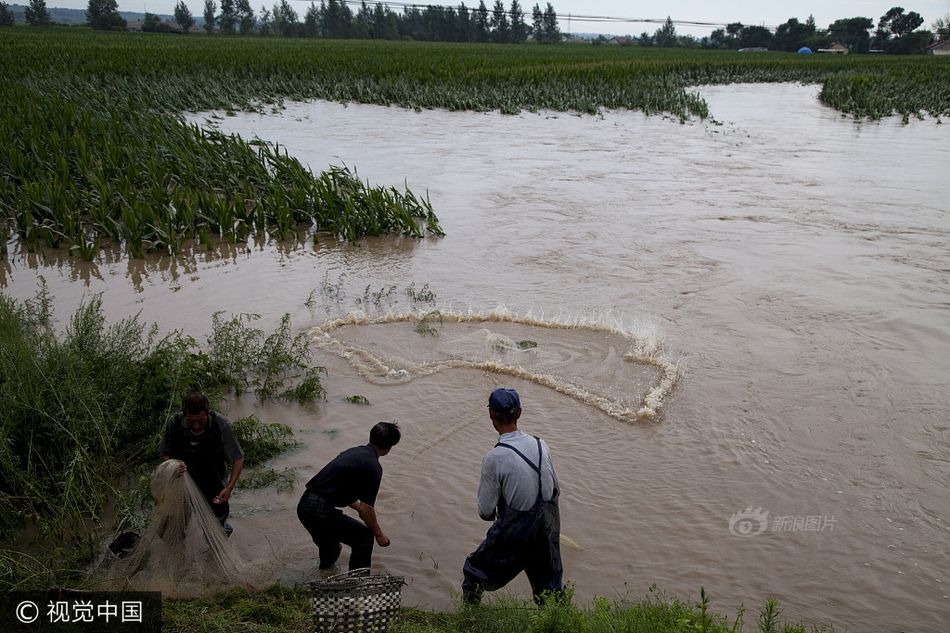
[(518, 540)]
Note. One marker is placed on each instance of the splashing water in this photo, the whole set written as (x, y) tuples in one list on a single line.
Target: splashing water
[(500, 353)]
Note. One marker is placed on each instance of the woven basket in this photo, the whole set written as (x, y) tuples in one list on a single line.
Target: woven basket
[(356, 602)]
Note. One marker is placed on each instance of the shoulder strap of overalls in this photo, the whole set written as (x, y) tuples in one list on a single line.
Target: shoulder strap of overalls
[(537, 468)]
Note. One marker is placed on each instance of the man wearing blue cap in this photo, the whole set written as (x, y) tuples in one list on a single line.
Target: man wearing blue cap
[(518, 492)]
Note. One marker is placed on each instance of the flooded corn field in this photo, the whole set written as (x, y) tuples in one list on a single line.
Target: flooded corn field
[(734, 334)]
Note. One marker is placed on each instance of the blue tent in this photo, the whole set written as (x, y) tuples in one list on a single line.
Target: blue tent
[(804, 50)]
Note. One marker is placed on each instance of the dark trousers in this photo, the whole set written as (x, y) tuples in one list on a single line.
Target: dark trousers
[(210, 490), (210, 486), (329, 527), (519, 541)]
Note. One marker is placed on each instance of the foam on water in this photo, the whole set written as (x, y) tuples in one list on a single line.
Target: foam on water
[(644, 343)]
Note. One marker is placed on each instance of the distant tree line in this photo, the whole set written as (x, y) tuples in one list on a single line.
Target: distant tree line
[(335, 19), (6, 14), (36, 14), (104, 15), (896, 30), (895, 33)]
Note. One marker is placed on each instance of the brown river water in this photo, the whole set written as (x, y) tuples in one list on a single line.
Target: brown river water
[(743, 345)]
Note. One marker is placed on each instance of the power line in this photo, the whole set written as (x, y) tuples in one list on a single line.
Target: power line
[(571, 17)]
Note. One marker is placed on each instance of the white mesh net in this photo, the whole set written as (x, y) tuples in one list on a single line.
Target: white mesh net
[(184, 551)]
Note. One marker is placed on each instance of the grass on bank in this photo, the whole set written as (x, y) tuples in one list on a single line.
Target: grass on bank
[(284, 610), (83, 409)]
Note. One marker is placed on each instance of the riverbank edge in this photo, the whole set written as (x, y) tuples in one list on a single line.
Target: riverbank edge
[(281, 609)]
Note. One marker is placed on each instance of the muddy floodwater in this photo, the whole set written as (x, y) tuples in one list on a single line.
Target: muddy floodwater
[(792, 265)]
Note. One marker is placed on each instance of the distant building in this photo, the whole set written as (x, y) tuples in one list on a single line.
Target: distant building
[(571, 38), (836, 49), (940, 48), (754, 49)]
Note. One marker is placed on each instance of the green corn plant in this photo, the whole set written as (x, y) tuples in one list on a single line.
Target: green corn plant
[(92, 134)]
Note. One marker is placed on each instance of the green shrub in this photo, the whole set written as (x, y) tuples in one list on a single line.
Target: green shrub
[(83, 407), (262, 441)]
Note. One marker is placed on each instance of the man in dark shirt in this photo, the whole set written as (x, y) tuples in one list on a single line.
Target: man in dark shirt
[(204, 441), (352, 480)]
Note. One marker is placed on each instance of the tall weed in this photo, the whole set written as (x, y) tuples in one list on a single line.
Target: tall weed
[(81, 407)]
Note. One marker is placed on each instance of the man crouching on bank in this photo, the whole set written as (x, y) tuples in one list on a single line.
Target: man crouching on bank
[(352, 480)]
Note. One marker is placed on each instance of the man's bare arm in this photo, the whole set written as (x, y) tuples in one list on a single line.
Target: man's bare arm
[(236, 469), (368, 514)]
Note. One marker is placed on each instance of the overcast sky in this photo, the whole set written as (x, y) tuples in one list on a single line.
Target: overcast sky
[(746, 11)]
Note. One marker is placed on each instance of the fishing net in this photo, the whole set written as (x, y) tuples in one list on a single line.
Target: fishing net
[(184, 551), (622, 372)]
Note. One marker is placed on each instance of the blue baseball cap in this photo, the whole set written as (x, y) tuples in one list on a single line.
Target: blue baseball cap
[(504, 400)]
